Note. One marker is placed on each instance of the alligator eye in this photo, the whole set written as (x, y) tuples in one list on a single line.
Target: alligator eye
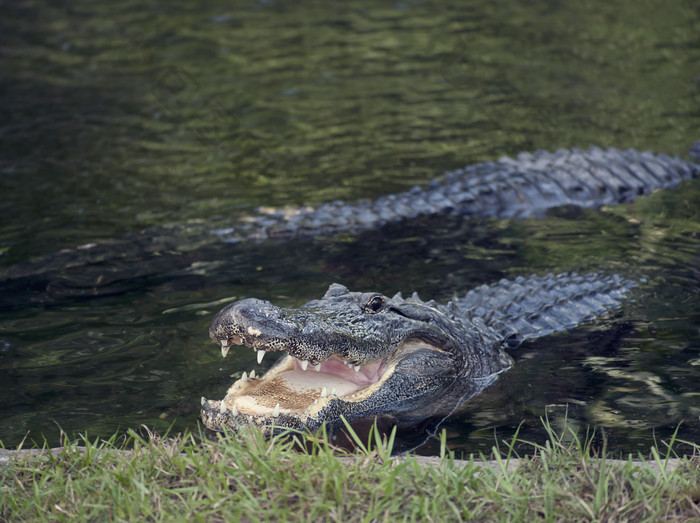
[(375, 303)]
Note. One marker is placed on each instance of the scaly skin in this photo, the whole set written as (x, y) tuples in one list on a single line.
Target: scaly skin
[(357, 355), (521, 187), (525, 186)]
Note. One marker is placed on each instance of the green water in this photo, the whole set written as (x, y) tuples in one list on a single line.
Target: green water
[(119, 117)]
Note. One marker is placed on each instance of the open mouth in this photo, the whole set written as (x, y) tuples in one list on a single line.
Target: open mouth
[(300, 389)]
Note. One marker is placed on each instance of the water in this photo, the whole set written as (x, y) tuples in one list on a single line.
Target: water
[(117, 118)]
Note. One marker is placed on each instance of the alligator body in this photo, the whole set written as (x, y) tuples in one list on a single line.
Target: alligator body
[(525, 186), (521, 187), (358, 355)]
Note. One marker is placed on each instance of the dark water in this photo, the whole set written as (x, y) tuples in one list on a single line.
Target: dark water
[(117, 118)]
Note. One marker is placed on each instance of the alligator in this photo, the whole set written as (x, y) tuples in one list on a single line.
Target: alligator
[(521, 187), (355, 355), (525, 186)]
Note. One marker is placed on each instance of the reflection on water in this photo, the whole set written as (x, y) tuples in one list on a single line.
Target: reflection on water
[(121, 118)]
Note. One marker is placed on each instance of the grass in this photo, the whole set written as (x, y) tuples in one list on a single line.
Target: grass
[(248, 477)]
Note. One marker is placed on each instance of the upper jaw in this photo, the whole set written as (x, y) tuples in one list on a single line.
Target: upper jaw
[(305, 354), (355, 355), (301, 333), (300, 362), (308, 335)]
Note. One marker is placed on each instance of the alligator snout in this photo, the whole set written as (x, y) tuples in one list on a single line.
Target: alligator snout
[(248, 320)]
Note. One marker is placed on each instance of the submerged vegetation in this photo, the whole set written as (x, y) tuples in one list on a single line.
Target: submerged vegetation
[(303, 477)]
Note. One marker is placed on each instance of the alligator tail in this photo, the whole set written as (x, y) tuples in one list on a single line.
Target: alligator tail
[(526, 308)]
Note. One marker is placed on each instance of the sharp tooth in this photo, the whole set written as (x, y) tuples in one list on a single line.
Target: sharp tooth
[(203, 401), (317, 367), (224, 348), (234, 411), (261, 355), (316, 401), (222, 407), (333, 392), (357, 369), (276, 411), (244, 378), (304, 364), (252, 374), (324, 393)]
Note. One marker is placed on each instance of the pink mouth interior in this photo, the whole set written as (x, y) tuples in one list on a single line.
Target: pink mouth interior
[(334, 374), (367, 374)]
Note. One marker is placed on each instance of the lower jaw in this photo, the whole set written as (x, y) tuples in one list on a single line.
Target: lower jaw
[(288, 396), (218, 421), (217, 417)]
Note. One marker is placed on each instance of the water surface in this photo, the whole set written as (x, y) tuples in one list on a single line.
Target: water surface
[(120, 118)]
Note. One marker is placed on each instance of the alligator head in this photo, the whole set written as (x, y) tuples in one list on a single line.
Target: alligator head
[(351, 354)]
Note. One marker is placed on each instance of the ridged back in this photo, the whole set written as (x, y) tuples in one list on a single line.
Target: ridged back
[(536, 306), (520, 187)]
